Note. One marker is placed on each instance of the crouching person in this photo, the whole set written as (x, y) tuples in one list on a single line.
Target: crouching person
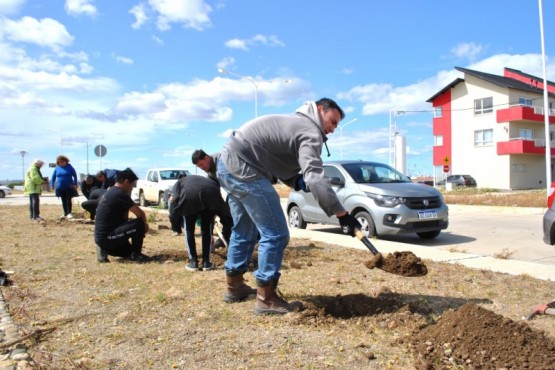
[(114, 233), (91, 204)]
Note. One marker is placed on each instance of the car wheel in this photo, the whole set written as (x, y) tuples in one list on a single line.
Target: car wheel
[(2, 194), (162, 203), (429, 234), (142, 200), (368, 226), (296, 220)]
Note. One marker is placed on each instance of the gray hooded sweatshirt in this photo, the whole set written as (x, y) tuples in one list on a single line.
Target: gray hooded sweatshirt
[(281, 147)]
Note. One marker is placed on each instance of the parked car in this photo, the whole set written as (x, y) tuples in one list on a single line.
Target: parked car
[(4, 190), (459, 180), (382, 199), (549, 218), (152, 189)]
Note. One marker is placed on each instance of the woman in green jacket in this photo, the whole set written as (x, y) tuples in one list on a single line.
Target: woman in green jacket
[(33, 187)]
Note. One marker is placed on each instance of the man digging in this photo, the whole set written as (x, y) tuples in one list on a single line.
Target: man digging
[(262, 151)]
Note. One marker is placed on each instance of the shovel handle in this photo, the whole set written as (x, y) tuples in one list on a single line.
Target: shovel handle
[(360, 236)]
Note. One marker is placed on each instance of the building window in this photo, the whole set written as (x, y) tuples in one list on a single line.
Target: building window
[(526, 134), (519, 168), (483, 137), (483, 106), (525, 102), (438, 112), (438, 140)]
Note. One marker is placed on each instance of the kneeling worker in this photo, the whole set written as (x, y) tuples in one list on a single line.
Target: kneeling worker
[(113, 228)]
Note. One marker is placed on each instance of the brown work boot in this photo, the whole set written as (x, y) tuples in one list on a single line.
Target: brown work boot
[(237, 290), (269, 301)]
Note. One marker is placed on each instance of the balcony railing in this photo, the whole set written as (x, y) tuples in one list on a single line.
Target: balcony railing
[(537, 109), (537, 142)]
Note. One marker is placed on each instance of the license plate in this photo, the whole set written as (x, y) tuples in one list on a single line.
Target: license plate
[(426, 215)]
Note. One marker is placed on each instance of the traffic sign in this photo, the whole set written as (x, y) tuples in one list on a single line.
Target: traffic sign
[(100, 150), (446, 168), (446, 160)]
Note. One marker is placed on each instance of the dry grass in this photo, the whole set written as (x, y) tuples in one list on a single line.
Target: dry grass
[(159, 316), (489, 197)]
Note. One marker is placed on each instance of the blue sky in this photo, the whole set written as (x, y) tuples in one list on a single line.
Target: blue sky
[(141, 76)]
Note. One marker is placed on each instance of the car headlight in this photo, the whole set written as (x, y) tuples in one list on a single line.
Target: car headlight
[(386, 200)]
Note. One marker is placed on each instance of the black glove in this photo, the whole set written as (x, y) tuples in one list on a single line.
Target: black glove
[(349, 224), (301, 185)]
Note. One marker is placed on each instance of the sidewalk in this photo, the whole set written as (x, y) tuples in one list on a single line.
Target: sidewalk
[(513, 267)]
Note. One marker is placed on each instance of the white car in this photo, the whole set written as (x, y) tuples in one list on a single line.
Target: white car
[(4, 190)]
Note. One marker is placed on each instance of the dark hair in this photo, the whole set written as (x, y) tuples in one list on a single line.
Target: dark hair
[(62, 158), (126, 174), (101, 173), (90, 178), (328, 104), (198, 155)]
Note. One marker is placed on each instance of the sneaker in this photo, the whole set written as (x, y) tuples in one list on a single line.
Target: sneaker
[(175, 233), (219, 244), (103, 260), (39, 219), (192, 266), (69, 216), (207, 266), (138, 257)]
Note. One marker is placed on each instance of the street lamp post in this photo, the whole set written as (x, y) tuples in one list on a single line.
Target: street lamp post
[(341, 135), (23, 152), (223, 71)]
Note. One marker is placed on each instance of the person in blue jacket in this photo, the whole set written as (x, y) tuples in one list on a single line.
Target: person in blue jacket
[(64, 178), (107, 177)]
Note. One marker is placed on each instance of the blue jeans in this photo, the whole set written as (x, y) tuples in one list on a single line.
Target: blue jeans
[(256, 208)]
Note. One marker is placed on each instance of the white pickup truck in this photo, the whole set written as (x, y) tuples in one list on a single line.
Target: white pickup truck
[(153, 188)]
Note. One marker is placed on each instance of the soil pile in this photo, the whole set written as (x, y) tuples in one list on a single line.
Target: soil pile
[(477, 338), (399, 263)]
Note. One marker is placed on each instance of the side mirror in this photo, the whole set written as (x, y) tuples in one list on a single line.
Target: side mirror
[(336, 181)]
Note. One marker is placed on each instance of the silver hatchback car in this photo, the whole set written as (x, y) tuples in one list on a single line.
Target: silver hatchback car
[(382, 199)]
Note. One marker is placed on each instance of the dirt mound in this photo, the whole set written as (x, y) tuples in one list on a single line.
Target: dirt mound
[(477, 338), (399, 263)]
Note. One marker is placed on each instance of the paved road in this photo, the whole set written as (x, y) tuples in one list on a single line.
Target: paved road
[(474, 230), (485, 231)]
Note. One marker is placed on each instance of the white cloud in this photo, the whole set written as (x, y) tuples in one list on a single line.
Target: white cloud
[(46, 32), (10, 6), (469, 50), (78, 7), (157, 40), (237, 44), (123, 60), (189, 13), (140, 13), (226, 63), (380, 98), (256, 40)]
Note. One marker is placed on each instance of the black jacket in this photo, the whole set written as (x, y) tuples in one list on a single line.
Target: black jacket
[(193, 194)]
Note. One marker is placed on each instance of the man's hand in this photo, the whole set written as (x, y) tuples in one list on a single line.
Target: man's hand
[(301, 185), (349, 224)]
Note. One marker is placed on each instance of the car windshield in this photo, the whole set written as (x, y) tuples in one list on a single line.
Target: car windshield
[(372, 173), (172, 174)]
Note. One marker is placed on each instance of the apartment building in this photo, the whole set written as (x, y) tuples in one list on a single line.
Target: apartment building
[(492, 128)]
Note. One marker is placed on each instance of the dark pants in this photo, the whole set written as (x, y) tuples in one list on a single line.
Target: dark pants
[(206, 218), (117, 243), (176, 220), (34, 204), (90, 206), (66, 196)]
